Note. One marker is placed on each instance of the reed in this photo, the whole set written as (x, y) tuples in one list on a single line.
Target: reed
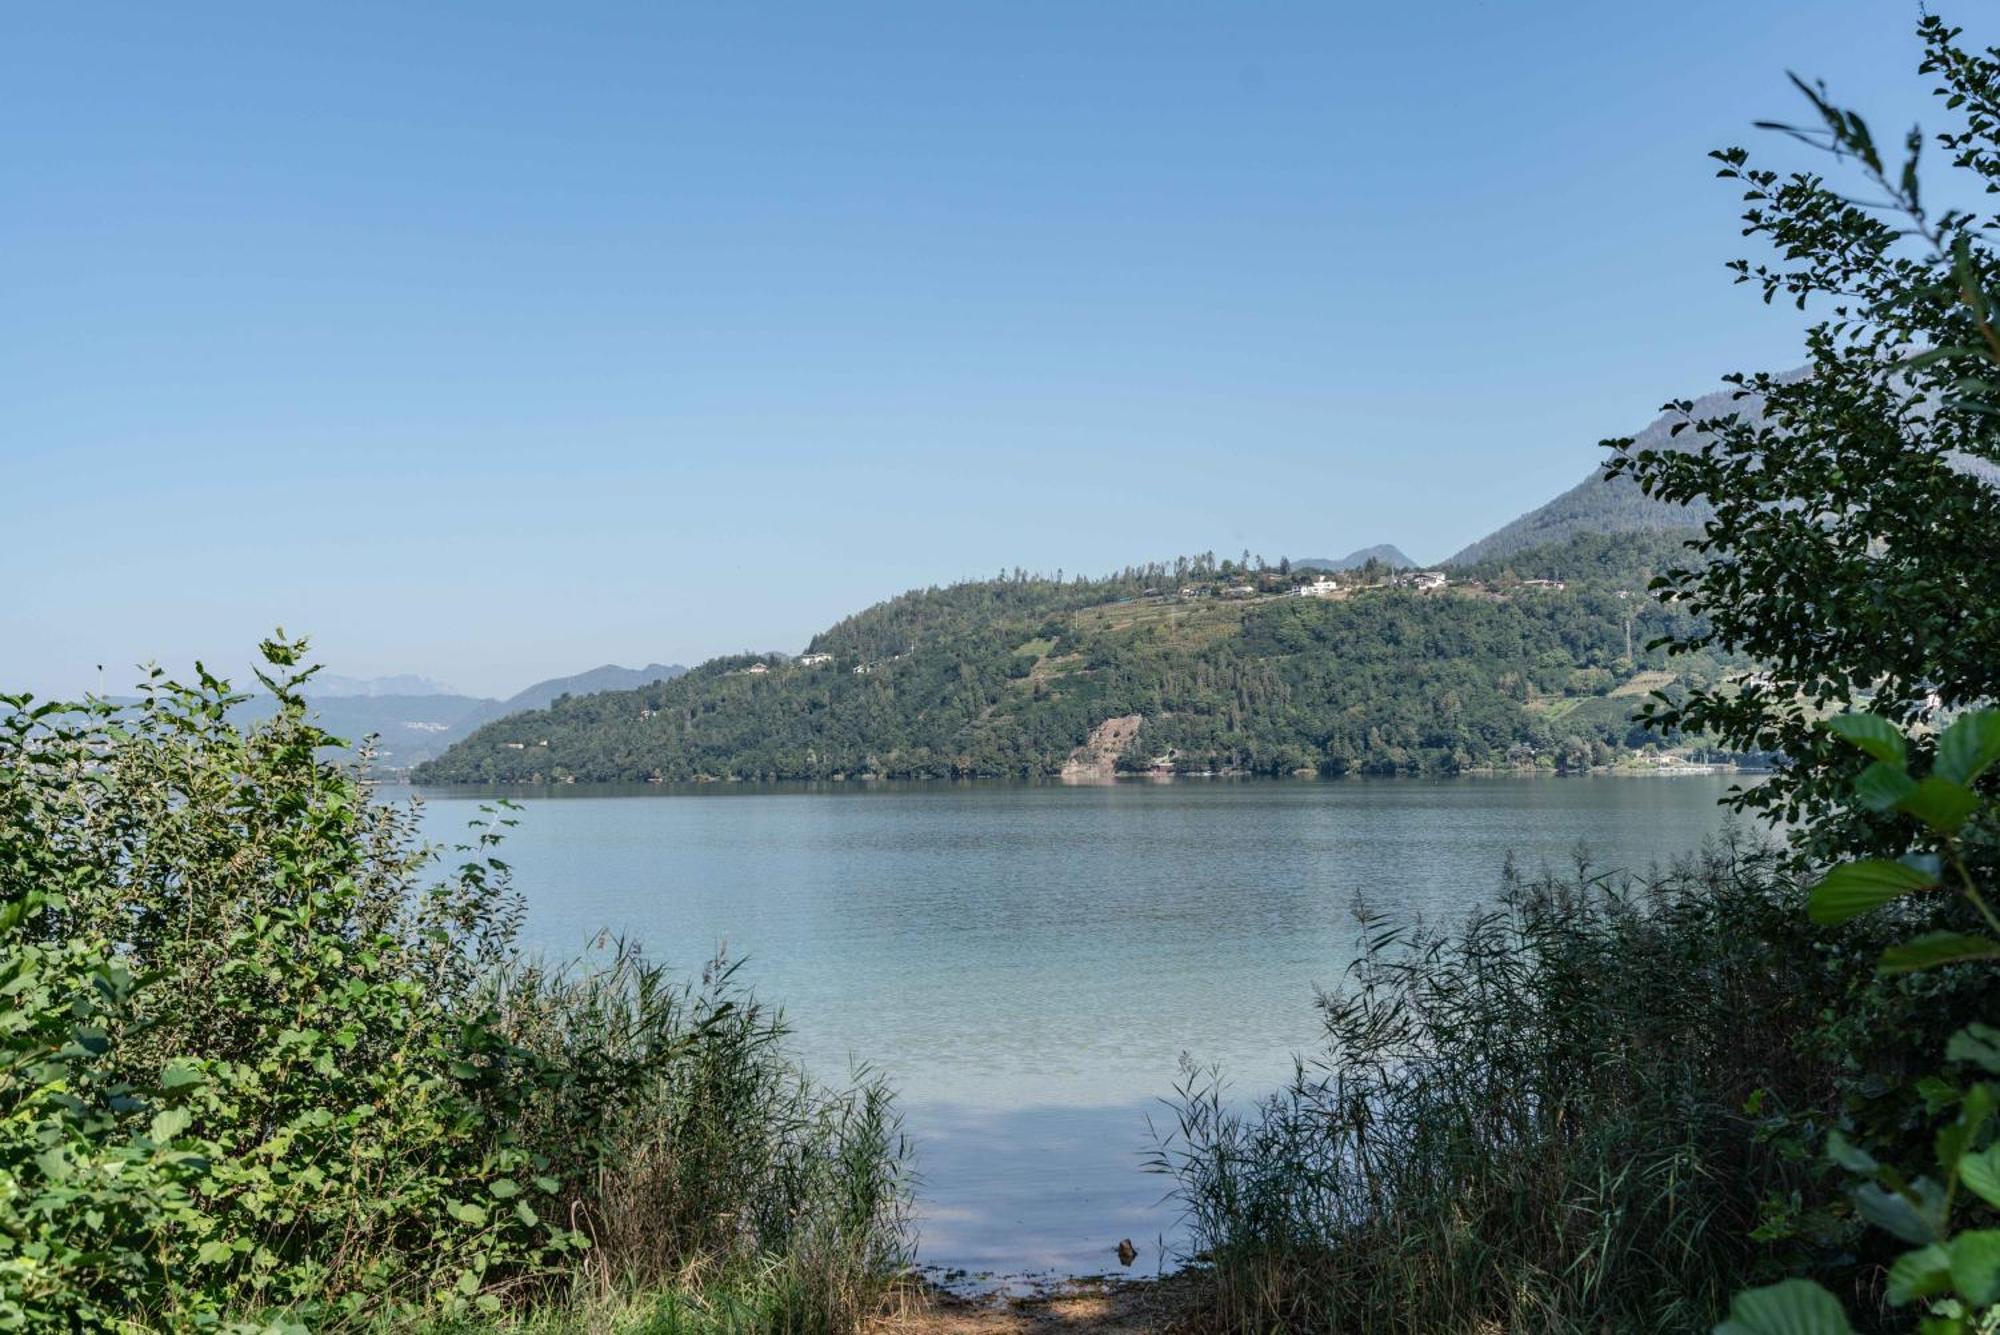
[(702, 1162), (1535, 1120)]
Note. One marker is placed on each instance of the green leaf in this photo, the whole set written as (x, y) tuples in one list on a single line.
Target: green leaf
[(1937, 1093), (1791, 1307), (1934, 949), (1923, 1273), (213, 1252), (1915, 1221), (1940, 804), (169, 1123), (1976, 1043), (1856, 887), (1882, 785), (1849, 1155), (468, 1283), (465, 1213), (1968, 746), (1872, 733), (1981, 1174), (179, 1073), (1975, 1265), (504, 1188)]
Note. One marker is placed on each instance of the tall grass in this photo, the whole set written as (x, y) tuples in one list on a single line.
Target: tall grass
[(698, 1157), (1533, 1121)]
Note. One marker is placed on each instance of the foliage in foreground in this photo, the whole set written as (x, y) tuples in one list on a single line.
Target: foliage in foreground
[(1940, 1198), (260, 1060), (1531, 1122)]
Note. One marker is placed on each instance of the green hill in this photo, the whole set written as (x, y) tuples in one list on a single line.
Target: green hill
[(1187, 668)]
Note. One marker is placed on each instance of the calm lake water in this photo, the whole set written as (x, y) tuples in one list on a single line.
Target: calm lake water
[(1028, 964)]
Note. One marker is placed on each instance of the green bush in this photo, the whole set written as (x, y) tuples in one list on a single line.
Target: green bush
[(261, 1056)]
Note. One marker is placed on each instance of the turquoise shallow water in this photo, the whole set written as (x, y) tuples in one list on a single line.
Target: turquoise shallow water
[(1029, 964)]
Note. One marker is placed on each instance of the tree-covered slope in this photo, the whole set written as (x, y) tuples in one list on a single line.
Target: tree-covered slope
[(1610, 505), (1007, 677)]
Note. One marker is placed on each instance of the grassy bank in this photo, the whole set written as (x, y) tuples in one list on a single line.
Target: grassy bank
[(267, 1060)]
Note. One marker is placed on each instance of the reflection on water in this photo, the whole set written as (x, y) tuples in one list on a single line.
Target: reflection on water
[(1029, 963), (1038, 1191)]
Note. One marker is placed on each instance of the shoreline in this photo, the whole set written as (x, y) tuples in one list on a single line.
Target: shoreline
[(644, 787)]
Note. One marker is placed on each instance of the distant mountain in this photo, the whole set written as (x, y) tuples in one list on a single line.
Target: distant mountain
[(349, 688), (542, 694), (408, 729), (411, 728), (1604, 505), (1609, 505), (1389, 556)]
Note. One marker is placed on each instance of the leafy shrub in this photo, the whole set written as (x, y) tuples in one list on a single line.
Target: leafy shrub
[(1922, 1195), (260, 1056)]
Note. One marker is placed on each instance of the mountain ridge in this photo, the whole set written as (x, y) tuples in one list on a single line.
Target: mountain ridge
[(1386, 553), (605, 677), (1600, 504)]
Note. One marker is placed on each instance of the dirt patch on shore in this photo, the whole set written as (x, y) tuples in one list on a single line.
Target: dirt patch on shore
[(1099, 1306), (1097, 758)]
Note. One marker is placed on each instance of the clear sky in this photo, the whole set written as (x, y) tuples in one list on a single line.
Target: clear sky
[(495, 341)]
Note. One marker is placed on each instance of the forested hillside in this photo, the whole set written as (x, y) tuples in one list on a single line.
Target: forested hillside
[(1224, 668), (1609, 505)]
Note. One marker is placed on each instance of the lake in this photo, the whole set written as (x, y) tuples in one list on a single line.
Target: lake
[(1028, 964)]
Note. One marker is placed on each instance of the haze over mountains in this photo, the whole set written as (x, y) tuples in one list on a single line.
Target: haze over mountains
[(327, 685), (414, 718)]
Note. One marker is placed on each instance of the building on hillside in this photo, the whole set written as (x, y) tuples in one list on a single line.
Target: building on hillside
[(1321, 587), (756, 669), (814, 660), (1543, 584), (1425, 580)]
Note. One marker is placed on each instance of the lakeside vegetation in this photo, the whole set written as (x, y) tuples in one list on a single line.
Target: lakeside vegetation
[(1759, 1095), (267, 1064), (1228, 671)]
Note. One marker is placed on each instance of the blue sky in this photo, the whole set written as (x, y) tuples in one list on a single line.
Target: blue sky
[(496, 341)]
